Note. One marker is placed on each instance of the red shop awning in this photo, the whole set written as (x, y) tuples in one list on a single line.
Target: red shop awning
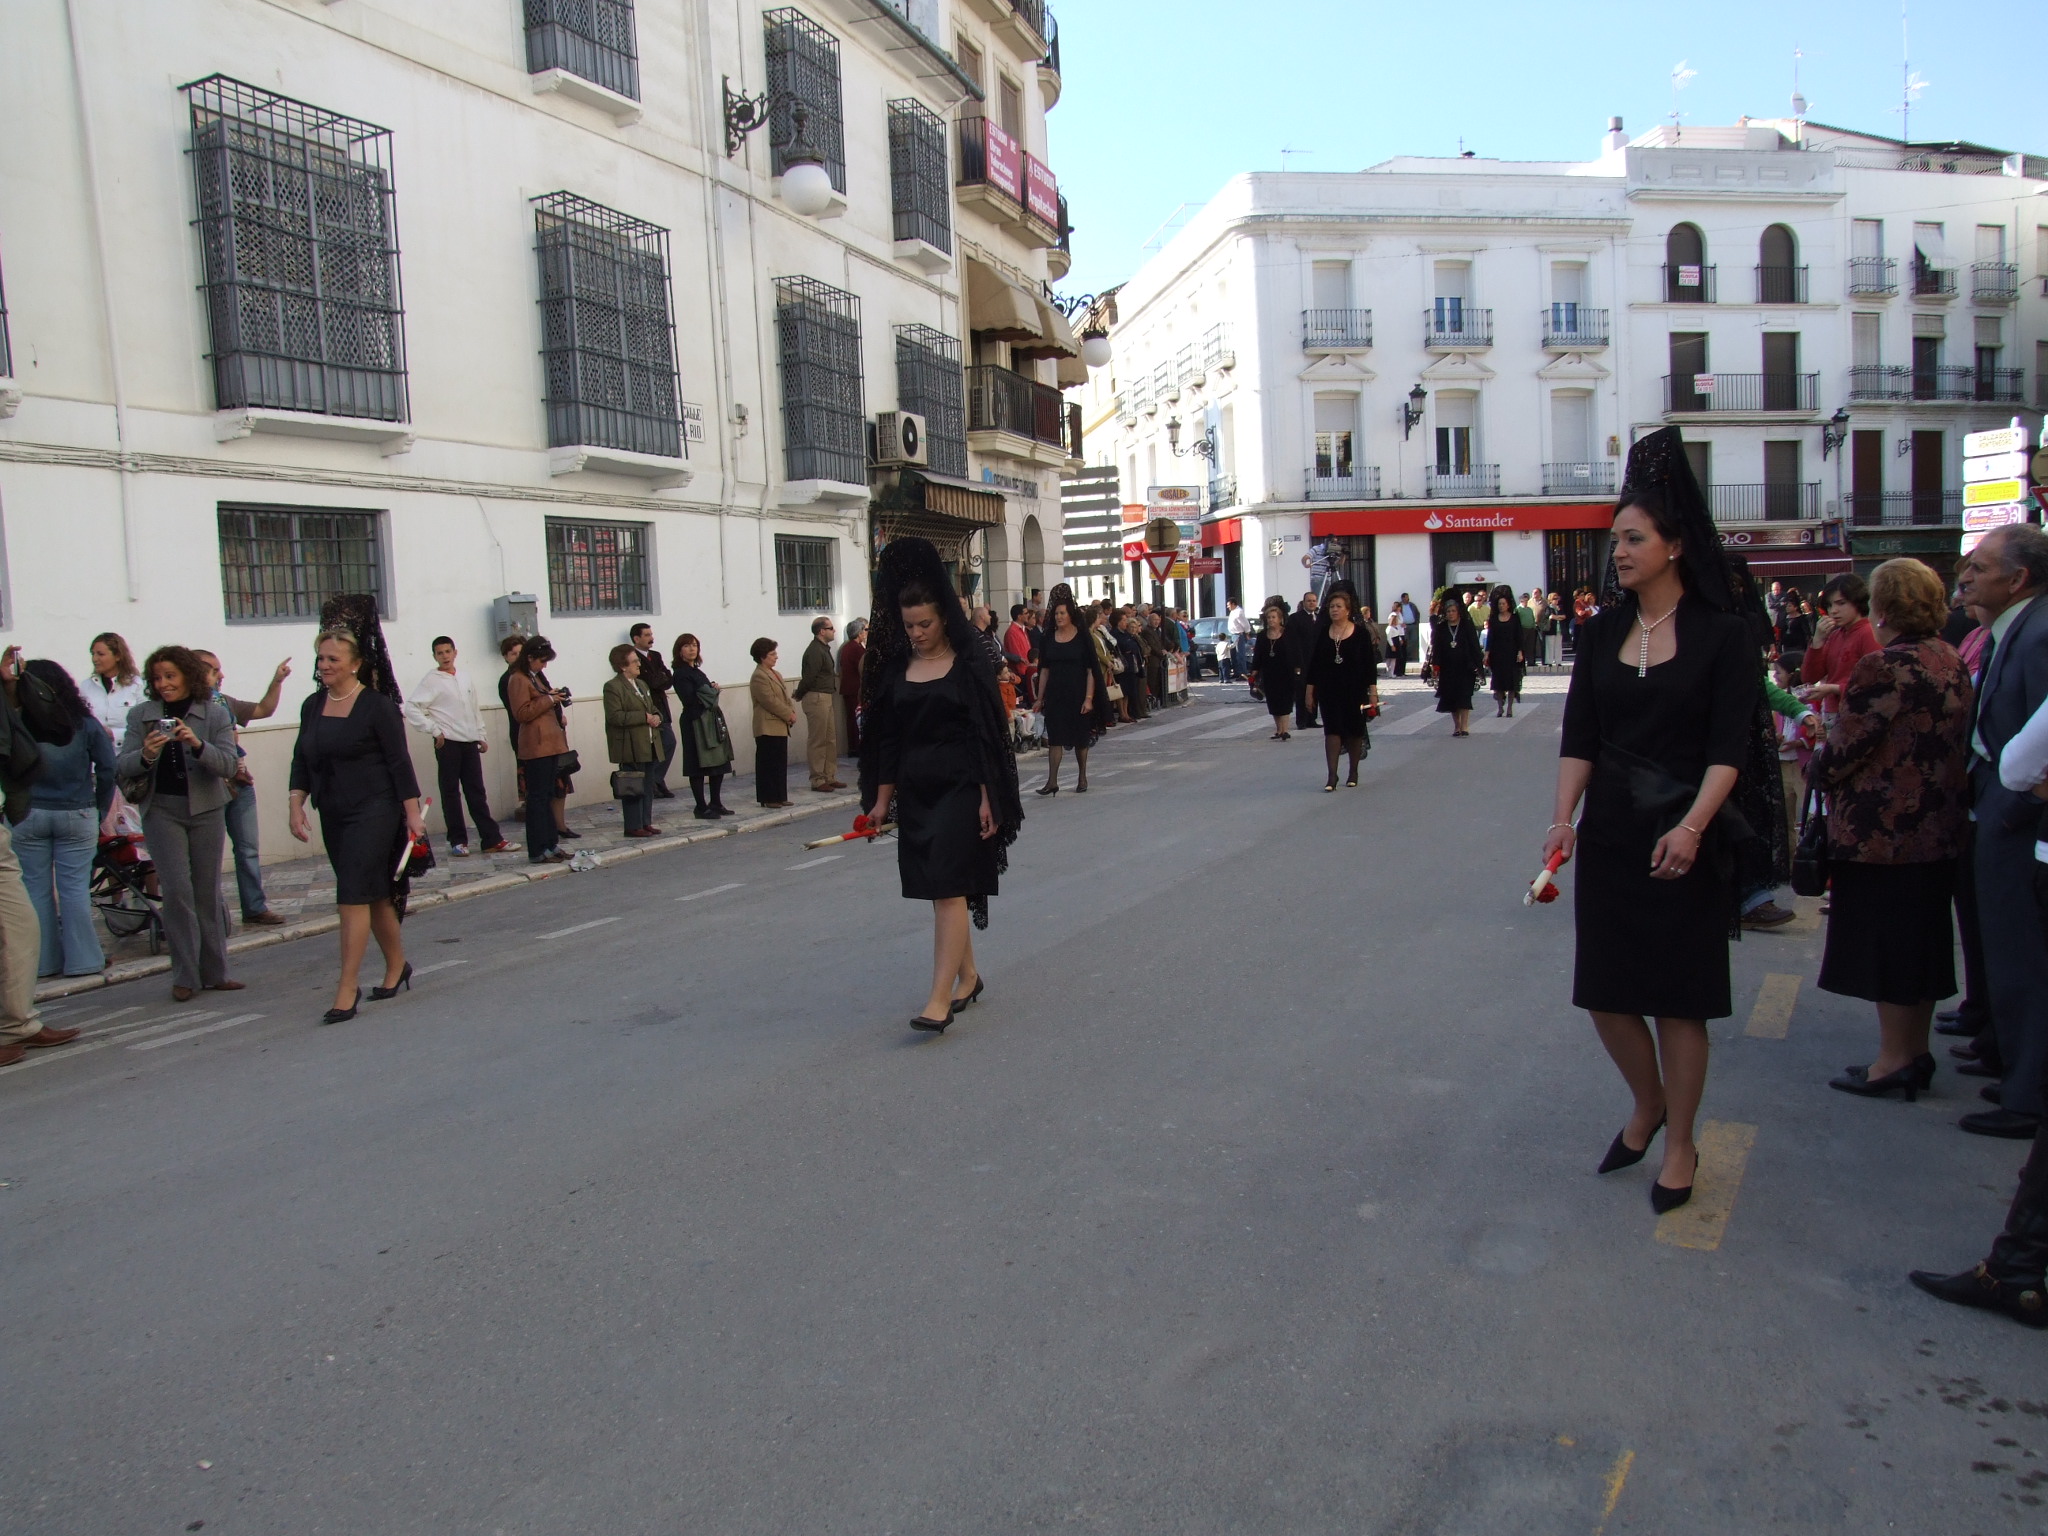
[(1225, 530)]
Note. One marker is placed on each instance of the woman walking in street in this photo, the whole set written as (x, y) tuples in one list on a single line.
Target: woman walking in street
[(1074, 690), (707, 744), (1896, 769), (937, 759), (1454, 653), (67, 800), (1342, 680), (177, 759), (1273, 667), (632, 740), (540, 712), (351, 763), (1507, 648), (774, 715), (1656, 732)]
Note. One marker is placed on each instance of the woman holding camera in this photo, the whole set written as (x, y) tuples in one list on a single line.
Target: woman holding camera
[(542, 712), (177, 759)]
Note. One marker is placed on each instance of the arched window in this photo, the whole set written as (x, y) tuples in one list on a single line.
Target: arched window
[(1687, 277), (1779, 277)]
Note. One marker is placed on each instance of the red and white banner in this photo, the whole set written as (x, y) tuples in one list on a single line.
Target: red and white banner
[(1041, 192), (1005, 162)]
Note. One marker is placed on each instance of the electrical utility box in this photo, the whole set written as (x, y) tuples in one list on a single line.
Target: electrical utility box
[(516, 613)]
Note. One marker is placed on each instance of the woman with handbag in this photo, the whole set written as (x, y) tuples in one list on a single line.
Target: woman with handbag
[(1895, 771), (774, 717), (1342, 681), (540, 710), (1657, 726), (1074, 689), (177, 760), (707, 744), (632, 741), (1272, 671), (351, 764)]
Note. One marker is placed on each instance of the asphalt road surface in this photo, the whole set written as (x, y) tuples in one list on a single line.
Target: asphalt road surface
[(1257, 1195)]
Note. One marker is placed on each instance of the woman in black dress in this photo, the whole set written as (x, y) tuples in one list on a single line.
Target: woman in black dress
[(351, 762), (1656, 733), (1272, 670), (707, 743), (936, 758), (1073, 689), (1454, 653), (1507, 650), (1342, 679)]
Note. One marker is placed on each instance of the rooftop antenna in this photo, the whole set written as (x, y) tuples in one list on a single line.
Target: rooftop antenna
[(1798, 99), (1681, 77), (1157, 238), (1286, 152), (1910, 84)]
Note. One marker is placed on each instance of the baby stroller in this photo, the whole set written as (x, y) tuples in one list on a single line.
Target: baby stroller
[(122, 881)]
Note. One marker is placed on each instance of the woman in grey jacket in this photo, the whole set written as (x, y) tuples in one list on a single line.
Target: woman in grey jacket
[(177, 762)]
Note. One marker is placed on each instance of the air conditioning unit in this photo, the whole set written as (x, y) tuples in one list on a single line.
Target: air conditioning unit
[(899, 438)]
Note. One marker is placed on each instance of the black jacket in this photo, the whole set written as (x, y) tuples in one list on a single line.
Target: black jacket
[(655, 674), (1300, 636)]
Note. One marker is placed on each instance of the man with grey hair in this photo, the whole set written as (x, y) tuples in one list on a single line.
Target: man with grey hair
[(2002, 580)]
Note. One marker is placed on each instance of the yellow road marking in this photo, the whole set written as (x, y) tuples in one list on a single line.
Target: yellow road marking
[(1700, 1223), (1616, 1481), (1772, 1015)]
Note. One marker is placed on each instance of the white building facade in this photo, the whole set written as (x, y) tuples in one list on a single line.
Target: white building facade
[(1432, 370), (596, 305)]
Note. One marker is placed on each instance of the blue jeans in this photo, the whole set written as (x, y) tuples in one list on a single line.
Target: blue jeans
[(248, 858), (56, 850)]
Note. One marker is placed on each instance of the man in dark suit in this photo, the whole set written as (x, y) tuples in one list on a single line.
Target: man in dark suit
[(2003, 580), (655, 674), (1300, 640)]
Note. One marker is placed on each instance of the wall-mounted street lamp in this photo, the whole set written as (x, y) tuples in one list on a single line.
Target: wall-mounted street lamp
[(1411, 411), (1203, 447), (1095, 348), (1834, 432), (806, 184)]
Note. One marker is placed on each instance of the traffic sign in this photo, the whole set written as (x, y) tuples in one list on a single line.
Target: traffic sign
[(2002, 440), (1987, 493), (1205, 565), (1160, 562), (1995, 466)]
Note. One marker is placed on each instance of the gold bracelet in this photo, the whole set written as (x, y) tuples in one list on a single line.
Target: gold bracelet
[(1556, 824), (1695, 831)]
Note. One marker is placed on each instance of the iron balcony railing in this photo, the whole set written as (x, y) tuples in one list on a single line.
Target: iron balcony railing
[(921, 197), (1741, 392), (1781, 285), (1031, 13), (1932, 282), (1994, 282), (1222, 492), (1003, 400), (1879, 381), (1942, 381), (1574, 326), (1872, 275), (1453, 324), (1905, 509), (1361, 484), (1685, 284), (2041, 391), (974, 160), (1474, 480), (1335, 330), (1050, 31), (1594, 476), (590, 38), (2006, 386), (1216, 349), (1783, 501)]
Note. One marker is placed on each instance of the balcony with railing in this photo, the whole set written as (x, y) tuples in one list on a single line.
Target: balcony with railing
[(1873, 276), (1473, 480), (1217, 352), (1455, 327), (1222, 492), (1781, 285), (1574, 328), (1941, 381), (1932, 282), (1905, 509), (1336, 330), (1059, 256), (2002, 386), (1360, 483), (1593, 477), (1994, 282), (1879, 381), (1778, 501), (998, 186), (1001, 400), (1049, 79), (2041, 391), (1741, 392), (1688, 284)]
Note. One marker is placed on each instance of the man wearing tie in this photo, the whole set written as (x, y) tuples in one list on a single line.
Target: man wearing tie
[(2002, 579)]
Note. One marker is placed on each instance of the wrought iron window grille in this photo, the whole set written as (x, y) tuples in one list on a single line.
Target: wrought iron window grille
[(593, 39), (803, 574), (299, 239), (6, 351), (931, 381), (824, 418), (917, 175), (803, 92), (608, 345), (596, 567), (284, 562)]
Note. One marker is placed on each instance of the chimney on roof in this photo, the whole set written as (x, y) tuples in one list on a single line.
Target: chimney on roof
[(1615, 139)]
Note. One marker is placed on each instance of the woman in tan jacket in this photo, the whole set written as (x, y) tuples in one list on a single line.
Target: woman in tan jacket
[(630, 727), (543, 748), (774, 714)]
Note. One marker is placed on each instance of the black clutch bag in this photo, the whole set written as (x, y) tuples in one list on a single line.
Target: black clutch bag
[(1811, 859)]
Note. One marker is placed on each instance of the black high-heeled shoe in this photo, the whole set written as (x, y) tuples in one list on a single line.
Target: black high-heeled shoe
[(1664, 1199), (936, 1026), (403, 984), (961, 1002), (343, 1015), (1081, 788), (1047, 789), (1910, 1081), (1621, 1155), (1331, 787)]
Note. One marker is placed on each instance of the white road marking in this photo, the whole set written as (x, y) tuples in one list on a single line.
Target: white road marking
[(1492, 726), (814, 863), (193, 1034), (1408, 725), (1153, 732), (716, 890), (135, 1029), (563, 933), (1240, 728), (94, 1026), (438, 965)]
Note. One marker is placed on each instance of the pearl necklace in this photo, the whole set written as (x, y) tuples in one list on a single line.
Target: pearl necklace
[(1643, 656), (349, 697)]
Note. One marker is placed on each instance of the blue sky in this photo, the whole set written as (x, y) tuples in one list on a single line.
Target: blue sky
[(1164, 102)]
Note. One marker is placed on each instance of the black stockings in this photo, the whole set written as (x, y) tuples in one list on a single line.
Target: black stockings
[(1335, 747)]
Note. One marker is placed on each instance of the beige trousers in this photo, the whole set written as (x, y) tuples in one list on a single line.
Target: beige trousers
[(21, 939), (821, 720)]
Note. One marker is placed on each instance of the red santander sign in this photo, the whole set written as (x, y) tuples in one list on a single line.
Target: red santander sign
[(1449, 519)]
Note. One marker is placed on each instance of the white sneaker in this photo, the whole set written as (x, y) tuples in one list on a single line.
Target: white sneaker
[(460, 850)]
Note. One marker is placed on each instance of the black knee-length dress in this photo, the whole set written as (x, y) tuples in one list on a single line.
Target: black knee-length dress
[(1656, 947), (929, 747), (1342, 674), (1066, 666), (357, 771)]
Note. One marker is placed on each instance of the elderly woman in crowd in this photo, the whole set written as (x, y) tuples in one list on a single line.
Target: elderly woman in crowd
[(774, 716), (177, 759), (68, 798), (632, 740), (851, 650), (1895, 767)]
